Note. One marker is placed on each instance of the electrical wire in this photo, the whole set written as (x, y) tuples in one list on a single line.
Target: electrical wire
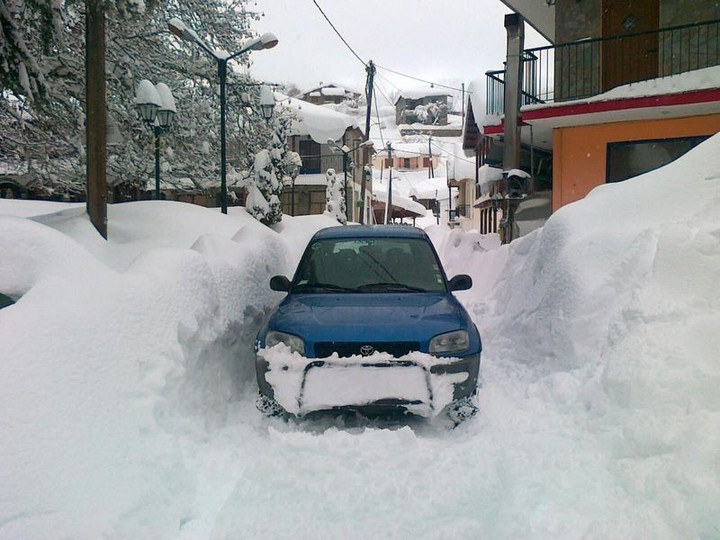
[(379, 122), (364, 63), (390, 101), (339, 34), (422, 80)]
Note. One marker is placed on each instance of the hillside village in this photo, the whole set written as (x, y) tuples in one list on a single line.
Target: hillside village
[(450, 152)]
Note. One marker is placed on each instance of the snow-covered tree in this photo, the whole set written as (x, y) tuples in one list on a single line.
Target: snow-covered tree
[(429, 114), (335, 197), (264, 190), (42, 98)]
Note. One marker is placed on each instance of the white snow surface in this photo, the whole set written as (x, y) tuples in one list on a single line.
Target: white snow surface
[(318, 122), (127, 388)]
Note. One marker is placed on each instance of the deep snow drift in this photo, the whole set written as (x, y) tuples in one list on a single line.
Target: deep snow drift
[(127, 389)]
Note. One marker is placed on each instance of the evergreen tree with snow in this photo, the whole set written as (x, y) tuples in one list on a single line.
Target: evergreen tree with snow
[(335, 197), (263, 201)]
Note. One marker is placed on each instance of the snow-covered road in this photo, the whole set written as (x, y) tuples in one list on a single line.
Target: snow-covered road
[(127, 386)]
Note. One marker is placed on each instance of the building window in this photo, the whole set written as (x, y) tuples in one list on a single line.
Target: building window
[(310, 155), (406, 163), (632, 158)]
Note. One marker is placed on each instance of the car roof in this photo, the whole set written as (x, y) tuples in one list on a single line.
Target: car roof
[(371, 231)]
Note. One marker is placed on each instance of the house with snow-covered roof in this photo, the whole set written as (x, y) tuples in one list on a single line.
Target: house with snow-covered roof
[(622, 89), (316, 134), (330, 93), (422, 105)]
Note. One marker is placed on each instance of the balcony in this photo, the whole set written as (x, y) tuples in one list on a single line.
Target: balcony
[(589, 67)]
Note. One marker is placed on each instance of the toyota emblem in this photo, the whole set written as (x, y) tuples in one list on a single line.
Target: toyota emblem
[(367, 350)]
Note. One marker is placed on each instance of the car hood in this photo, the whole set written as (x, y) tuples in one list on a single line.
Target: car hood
[(369, 316)]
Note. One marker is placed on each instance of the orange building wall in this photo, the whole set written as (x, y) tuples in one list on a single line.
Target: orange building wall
[(579, 153)]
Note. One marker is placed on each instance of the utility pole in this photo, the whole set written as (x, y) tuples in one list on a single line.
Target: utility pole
[(348, 212), (431, 169), (96, 119), (370, 69), (388, 203), (515, 28)]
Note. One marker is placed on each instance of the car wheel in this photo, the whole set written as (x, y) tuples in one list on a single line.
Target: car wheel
[(462, 409), (268, 406)]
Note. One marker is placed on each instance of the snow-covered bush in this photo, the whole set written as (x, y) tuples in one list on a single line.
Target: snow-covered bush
[(263, 201), (335, 197)]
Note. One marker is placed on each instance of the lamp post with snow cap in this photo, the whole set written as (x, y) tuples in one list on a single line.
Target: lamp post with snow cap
[(156, 106), (266, 41)]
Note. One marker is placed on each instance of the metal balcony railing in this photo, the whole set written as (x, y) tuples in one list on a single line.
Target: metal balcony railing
[(462, 210), (589, 67)]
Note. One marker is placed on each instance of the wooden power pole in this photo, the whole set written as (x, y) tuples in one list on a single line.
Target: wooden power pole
[(96, 118), (368, 99)]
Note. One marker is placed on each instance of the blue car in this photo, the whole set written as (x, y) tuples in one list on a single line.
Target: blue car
[(369, 324)]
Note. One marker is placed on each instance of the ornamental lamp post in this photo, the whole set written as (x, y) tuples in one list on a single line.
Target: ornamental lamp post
[(156, 106), (265, 41), (267, 102)]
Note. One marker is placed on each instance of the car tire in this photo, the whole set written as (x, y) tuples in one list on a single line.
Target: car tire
[(268, 406), (462, 409)]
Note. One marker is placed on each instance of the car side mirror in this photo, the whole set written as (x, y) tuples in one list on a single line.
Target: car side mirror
[(461, 282), (280, 283)]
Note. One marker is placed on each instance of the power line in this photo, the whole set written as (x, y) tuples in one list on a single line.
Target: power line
[(380, 126), (339, 34), (390, 101), (382, 67), (421, 80)]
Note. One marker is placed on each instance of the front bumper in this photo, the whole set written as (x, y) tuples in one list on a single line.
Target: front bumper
[(419, 383)]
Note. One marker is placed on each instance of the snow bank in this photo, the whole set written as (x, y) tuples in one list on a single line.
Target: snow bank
[(609, 316), (101, 366)]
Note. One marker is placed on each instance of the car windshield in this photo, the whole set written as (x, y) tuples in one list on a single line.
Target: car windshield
[(369, 265)]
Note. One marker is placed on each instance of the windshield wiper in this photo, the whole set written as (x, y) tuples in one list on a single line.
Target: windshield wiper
[(389, 287), (323, 287)]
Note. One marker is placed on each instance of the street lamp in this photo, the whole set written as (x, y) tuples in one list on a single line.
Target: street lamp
[(266, 41), (156, 106), (267, 102)]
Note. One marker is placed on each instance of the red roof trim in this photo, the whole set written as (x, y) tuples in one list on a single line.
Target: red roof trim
[(643, 102)]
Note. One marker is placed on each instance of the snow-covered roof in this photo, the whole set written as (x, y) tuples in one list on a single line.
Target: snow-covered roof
[(400, 201), (476, 97), (330, 89), (421, 92), (413, 183), (320, 123), (316, 179), (406, 150)]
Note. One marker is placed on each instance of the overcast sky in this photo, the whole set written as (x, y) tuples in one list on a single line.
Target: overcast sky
[(444, 41)]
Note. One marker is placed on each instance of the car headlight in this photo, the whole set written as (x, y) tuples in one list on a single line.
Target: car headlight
[(456, 341), (295, 343)]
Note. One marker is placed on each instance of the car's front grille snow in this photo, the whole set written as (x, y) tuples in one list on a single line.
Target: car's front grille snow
[(344, 349)]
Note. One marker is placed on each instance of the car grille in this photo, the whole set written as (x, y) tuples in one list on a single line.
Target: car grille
[(395, 348)]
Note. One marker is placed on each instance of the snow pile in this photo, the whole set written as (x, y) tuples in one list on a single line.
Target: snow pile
[(301, 389), (609, 314), (127, 384)]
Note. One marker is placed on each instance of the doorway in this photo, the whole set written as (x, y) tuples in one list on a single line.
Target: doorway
[(630, 45)]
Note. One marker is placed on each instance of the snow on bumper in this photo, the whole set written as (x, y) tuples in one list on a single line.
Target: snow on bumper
[(417, 382)]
